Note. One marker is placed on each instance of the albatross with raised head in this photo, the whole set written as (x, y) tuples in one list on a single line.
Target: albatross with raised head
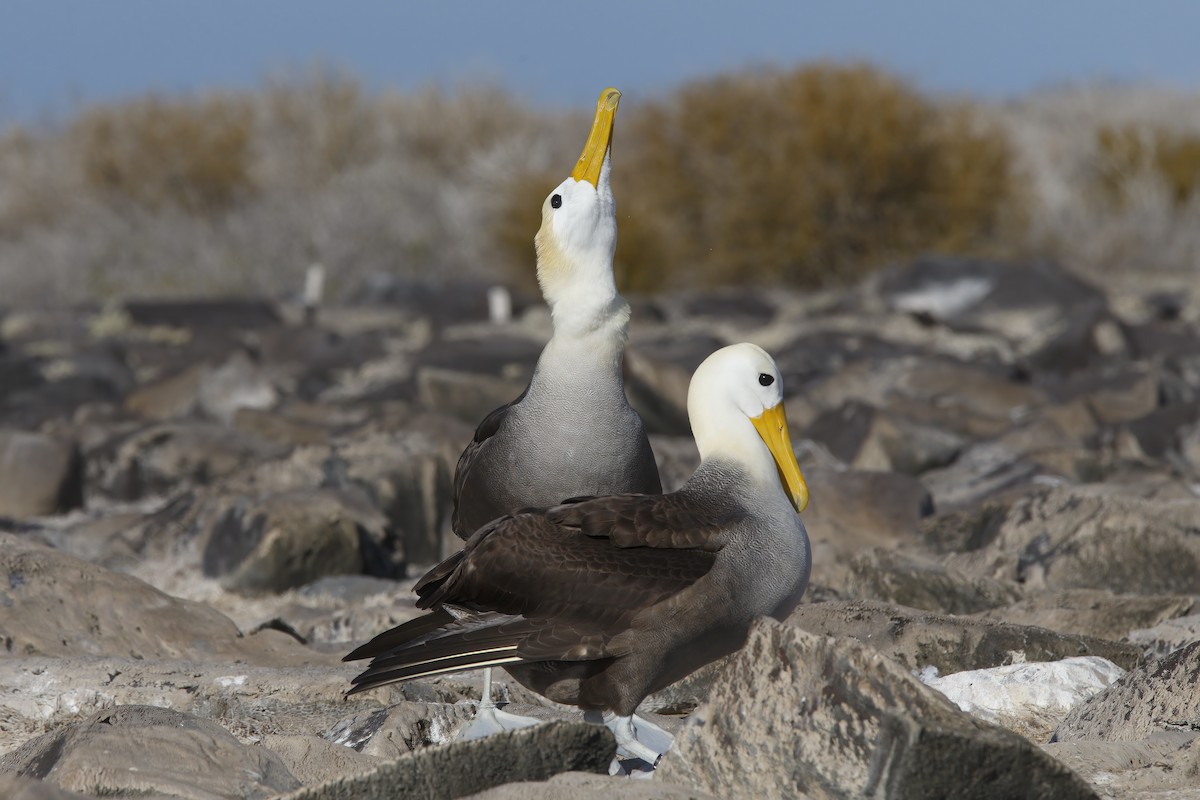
[(599, 601), (572, 432)]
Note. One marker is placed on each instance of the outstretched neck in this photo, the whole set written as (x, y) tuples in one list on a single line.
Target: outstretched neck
[(589, 339)]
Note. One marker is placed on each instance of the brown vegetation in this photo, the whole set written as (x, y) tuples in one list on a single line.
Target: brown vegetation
[(806, 178)]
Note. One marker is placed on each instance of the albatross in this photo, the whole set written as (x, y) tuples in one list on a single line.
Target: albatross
[(598, 602), (572, 431)]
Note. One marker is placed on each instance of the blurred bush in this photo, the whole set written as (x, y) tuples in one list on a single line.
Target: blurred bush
[(191, 154), (1131, 152), (802, 178)]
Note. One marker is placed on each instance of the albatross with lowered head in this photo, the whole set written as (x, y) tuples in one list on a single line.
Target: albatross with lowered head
[(599, 601)]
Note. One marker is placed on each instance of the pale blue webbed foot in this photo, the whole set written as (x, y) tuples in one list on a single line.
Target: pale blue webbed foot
[(637, 738), (491, 719)]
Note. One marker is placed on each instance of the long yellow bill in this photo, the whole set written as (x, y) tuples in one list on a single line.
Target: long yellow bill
[(772, 427), (587, 168)]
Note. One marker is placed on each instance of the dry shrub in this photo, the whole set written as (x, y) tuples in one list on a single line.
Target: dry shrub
[(808, 177), (193, 155), (1128, 153), (312, 129)]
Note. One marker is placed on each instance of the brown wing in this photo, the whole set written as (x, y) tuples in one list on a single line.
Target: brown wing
[(526, 588), (676, 520), (486, 430), (527, 565)]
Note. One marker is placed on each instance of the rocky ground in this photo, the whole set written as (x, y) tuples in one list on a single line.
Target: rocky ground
[(203, 505)]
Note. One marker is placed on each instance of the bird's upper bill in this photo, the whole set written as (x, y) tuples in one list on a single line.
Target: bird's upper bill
[(772, 427), (587, 168)]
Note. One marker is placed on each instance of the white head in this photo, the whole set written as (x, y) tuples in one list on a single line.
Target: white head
[(735, 404), (578, 237)]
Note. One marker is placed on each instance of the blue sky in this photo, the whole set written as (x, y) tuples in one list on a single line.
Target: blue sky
[(55, 54)]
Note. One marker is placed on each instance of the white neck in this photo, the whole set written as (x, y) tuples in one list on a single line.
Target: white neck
[(731, 437)]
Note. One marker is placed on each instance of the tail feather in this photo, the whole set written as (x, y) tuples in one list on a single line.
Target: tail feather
[(440, 642), (374, 678), (408, 632)]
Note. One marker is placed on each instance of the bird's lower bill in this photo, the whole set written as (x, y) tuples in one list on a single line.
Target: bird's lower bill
[(772, 427)]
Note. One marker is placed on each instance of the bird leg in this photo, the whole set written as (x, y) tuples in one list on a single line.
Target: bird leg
[(489, 718), (650, 748)]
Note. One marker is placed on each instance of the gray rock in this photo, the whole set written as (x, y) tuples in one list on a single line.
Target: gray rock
[(39, 475), (54, 604), (1093, 537), (163, 457), (468, 396), (314, 760), (1164, 765), (1093, 612), (1160, 696), (918, 639), (984, 471), (278, 427), (868, 438), (1114, 393), (677, 459), (15, 787), (840, 524), (406, 475), (171, 397), (894, 576), (971, 400), (283, 541), (657, 374), (1167, 637), (132, 750), (222, 314), (464, 768), (799, 715), (297, 692), (585, 786), (235, 384)]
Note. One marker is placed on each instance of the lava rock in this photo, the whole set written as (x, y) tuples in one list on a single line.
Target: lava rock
[(39, 475), (131, 750), (815, 716), (951, 644)]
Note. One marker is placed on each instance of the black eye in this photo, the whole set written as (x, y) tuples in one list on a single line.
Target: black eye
[(556, 201), (765, 380)]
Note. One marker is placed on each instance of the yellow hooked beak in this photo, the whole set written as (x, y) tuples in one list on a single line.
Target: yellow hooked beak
[(587, 168), (772, 427)]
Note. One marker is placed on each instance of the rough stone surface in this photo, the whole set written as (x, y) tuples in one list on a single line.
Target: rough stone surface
[(14, 787), (1167, 637), (39, 475), (1161, 696), (314, 760), (814, 716), (251, 701), (464, 768), (143, 750), (909, 580), (54, 604), (918, 639), (840, 525), (1091, 537), (1163, 766), (1093, 612), (585, 786), (282, 541)]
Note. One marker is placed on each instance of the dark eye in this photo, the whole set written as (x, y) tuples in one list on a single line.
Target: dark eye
[(765, 380), (556, 201)]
